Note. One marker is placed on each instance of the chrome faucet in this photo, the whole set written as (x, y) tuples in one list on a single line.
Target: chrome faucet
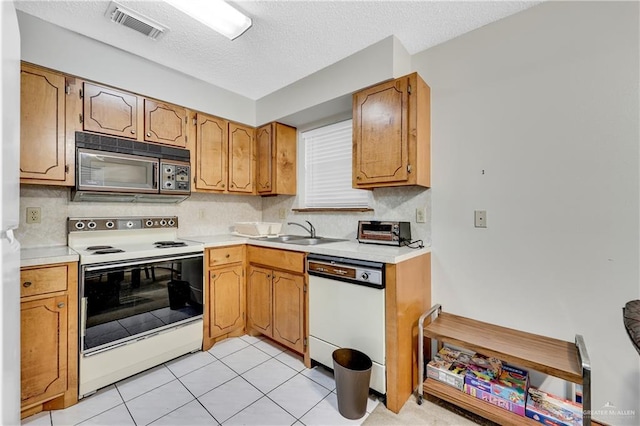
[(311, 230)]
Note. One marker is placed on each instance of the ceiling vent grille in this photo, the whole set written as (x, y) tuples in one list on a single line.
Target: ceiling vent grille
[(134, 20)]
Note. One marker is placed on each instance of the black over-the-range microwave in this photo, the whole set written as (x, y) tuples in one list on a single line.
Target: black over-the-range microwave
[(115, 169)]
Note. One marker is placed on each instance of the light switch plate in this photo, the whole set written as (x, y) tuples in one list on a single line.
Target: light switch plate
[(480, 218), (282, 213), (421, 215)]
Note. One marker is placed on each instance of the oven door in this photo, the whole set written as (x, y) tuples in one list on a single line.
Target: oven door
[(106, 171), (129, 300)]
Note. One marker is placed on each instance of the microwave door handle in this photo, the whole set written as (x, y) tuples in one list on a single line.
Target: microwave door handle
[(155, 175)]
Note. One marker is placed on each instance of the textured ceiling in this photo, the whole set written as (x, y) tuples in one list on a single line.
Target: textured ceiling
[(288, 41)]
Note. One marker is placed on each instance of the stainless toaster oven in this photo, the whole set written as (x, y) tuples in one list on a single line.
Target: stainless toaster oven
[(392, 233)]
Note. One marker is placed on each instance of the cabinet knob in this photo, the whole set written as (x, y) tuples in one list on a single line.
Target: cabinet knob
[(133, 132), (60, 305), (227, 255), (223, 185), (26, 284), (213, 276), (232, 186), (148, 134), (359, 177)]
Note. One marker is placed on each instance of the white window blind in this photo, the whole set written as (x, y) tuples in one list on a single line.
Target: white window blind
[(328, 152)]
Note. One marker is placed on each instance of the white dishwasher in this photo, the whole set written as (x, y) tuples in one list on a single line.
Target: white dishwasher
[(346, 310)]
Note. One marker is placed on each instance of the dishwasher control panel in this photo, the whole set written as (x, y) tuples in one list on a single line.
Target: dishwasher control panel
[(354, 271)]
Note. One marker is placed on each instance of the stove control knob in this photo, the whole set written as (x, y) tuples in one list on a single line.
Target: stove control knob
[(171, 222), (163, 222), (365, 276), (91, 225), (109, 224), (129, 224), (79, 225), (149, 223)]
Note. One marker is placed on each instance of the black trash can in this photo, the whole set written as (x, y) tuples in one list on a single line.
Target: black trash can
[(352, 371)]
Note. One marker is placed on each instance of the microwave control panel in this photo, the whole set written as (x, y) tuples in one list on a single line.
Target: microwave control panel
[(175, 177)]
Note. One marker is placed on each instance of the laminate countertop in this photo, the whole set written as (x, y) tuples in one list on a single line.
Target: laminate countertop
[(349, 249), (47, 255)]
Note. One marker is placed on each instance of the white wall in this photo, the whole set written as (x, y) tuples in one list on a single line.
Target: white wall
[(51, 46), (334, 84), (9, 260), (546, 103)]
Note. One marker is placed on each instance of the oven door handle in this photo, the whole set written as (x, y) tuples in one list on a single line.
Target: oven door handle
[(141, 262), (83, 318)]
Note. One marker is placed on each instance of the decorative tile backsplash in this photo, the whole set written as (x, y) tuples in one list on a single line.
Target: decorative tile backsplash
[(200, 214), (388, 204), (210, 214)]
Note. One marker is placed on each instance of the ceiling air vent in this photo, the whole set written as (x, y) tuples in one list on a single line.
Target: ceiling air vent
[(134, 20)]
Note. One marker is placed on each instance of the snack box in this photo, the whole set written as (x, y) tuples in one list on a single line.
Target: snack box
[(511, 385), (552, 410), (484, 367), (495, 400), (451, 373)]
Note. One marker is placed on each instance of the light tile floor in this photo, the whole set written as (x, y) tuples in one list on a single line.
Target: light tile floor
[(240, 381)]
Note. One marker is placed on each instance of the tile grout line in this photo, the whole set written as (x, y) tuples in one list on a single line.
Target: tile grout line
[(125, 405)]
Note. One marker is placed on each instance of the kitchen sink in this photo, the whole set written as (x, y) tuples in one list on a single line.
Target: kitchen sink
[(301, 240)]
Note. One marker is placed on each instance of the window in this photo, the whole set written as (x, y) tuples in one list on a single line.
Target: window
[(327, 175)]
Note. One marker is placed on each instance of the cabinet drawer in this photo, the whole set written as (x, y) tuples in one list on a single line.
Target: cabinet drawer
[(43, 280), (225, 255), (292, 261)]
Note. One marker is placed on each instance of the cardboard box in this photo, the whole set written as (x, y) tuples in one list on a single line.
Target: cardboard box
[(552, 410), (447, 368), (495, 400), (484, 367), (511, 386), (452, 374)]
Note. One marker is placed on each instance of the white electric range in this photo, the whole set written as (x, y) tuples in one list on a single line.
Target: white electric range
[(140, 293)]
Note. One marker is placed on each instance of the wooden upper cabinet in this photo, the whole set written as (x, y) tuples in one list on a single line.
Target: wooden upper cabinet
[(241, 158), (209, 153), (276, 159), (265, 159), (42, 126), (110, 111), (164, 123), (391, 134)]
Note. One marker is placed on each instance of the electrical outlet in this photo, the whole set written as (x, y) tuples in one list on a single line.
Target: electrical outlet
[(282, 213), (201, 214), (421, 215), (33, 215), (480, 218)]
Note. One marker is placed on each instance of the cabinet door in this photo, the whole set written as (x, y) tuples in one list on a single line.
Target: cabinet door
[(380, 133), (288, 310), (164, 123), (43, 346), (42, 126), (265, 152), (226, 302), (240, 158), (211, 153), (259, 300), (110, 111)]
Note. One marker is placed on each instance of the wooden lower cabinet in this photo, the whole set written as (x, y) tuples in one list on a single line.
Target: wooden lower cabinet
[(225, 294), (43, 356), (260, 300), (48, 337), (277, 297)]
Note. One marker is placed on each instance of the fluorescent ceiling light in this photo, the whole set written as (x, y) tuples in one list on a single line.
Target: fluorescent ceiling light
[(215, 14)]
